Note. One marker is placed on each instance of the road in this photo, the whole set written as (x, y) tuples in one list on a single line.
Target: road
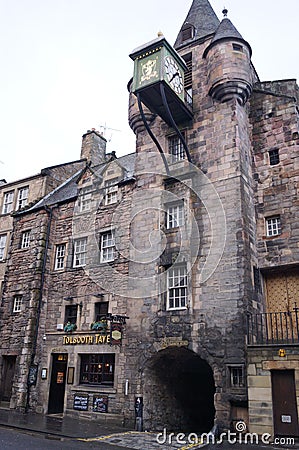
[(11, 439)]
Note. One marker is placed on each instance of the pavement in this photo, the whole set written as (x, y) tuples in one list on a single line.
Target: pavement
[(104, 433)]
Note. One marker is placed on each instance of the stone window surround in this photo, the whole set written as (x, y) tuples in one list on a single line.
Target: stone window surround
[(111, 191), (22, 198), (8, 202), (236, 372), (175, 215), (79, 252)]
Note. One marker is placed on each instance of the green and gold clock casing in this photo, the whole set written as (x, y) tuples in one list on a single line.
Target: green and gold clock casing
[(157, 65), (155, 62)]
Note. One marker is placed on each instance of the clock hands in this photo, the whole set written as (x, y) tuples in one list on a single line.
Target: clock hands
[(177, 74)]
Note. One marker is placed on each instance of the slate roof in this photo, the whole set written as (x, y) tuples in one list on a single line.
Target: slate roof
[(204, 19), (68, 190)]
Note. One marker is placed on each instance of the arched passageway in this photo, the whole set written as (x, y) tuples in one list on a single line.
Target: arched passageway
[(179, 392)]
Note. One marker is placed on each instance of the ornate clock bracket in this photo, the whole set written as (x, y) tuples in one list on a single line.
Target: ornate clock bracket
[(174, 125), (153, 137)]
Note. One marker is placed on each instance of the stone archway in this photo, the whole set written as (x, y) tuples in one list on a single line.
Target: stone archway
[(178, 390)]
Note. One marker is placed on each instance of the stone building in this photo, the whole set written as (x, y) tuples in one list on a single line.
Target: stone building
[(163, 283)]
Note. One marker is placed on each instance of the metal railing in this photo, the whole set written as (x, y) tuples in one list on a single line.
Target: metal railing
[(273, 328)]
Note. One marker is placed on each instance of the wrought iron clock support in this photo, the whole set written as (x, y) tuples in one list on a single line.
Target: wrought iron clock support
[(172, 121)]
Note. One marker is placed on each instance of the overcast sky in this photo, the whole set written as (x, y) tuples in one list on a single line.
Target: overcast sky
[(65, 67)]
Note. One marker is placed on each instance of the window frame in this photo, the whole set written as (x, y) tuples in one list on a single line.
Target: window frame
[(175, 219), (17, 303), (111, 191), (70, 314), (85, 199), (25, 239), (177, 292), (98, 306), (106, 248), (93, 371), (274, 157), (273, 226), (80, 252), (59, 257), (236, 372), (22, 200), (176, 149), (8, 202), (3, 242)]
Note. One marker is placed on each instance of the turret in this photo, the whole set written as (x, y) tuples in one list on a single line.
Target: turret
[(230, 74)]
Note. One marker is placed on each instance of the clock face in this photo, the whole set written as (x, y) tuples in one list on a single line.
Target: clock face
[(174, 74)]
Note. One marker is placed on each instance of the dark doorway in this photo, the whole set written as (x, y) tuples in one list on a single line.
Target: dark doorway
[(8, 372), (57, 384), (285, 414), (179, 392)]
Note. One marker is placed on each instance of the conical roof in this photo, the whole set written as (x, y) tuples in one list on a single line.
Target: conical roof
[(226, 30), (202, 18)]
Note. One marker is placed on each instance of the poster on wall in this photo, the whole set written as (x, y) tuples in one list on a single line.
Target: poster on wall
[(100, 403), (81, 402)]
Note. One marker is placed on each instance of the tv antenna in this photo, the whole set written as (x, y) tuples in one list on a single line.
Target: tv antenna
[(104, 129)]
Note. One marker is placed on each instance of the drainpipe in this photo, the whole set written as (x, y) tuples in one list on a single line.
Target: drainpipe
[(31, 379)]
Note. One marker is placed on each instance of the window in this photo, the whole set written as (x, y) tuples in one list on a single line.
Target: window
[(8, 202), (274, 157), (175, 216), (100, 310), (236, 376), (70, 314), (188, 78), (176, 148), (60, 256), (97, 369), (25, 241), (273, 226), (80, 250), (111, 191), (107, 246), (22, 197), (187, 32), (85, 200), (177, 288), (237, 48), (2, 246), (17, 303)]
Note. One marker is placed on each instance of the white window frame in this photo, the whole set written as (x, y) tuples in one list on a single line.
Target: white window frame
[(108, 246), (3, 239), (273, 226), (22, 199), (175, 216), (176, 149), (60, 256), (80, 252), (85, 198), (17, 303), (111, 191), (8, 202), (25, 242), (177, 288)]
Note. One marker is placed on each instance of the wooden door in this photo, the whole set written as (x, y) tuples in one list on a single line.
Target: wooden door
[(285, 414), (8, 372), (57, 383)]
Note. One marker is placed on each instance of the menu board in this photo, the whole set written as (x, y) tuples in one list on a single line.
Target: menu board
[(81, 402), (100, 403)]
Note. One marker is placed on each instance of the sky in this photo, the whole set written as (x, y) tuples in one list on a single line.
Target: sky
[(65, 68)]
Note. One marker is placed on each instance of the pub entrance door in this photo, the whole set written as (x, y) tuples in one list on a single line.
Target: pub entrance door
[(8, 372), (285, 414), (57, 383)]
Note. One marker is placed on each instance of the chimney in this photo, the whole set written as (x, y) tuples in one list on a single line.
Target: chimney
[(93, 147)]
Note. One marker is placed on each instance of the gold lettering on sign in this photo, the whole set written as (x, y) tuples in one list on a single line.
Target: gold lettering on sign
[(87, 340)]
